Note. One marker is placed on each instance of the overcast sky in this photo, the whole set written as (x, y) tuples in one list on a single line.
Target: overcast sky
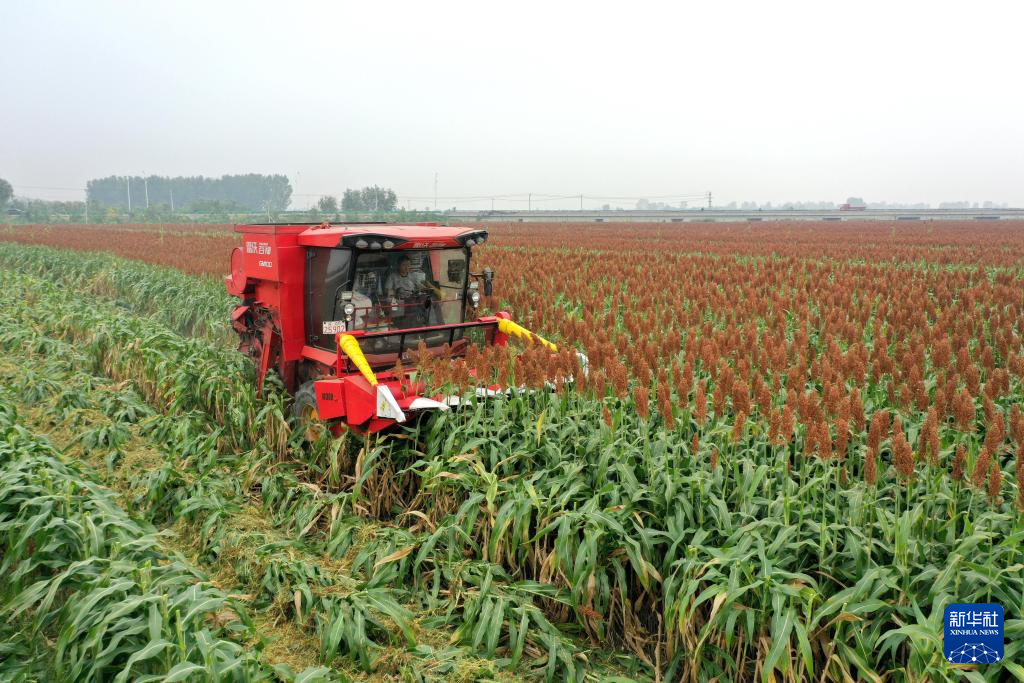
[(764, 101)]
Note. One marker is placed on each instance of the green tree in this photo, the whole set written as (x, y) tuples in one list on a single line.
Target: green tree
[(6, 191), (379, 198), (328, 204), (352, 200), (369, 199)]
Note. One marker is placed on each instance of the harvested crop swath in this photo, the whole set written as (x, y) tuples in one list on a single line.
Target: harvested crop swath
[(185, 485), (95, 597)]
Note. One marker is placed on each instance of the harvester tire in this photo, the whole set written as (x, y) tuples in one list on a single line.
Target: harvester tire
[(304, 410)]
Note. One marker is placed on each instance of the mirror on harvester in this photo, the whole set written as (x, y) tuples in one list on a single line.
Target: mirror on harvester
[(488, 281)]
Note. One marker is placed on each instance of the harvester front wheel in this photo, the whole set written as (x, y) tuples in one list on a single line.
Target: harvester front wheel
[(307, 417)]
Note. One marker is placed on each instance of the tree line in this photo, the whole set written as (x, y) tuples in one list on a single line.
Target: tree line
[(247, 192), (117, 199)]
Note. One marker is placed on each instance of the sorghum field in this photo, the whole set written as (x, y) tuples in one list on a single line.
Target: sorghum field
[(796, 444)]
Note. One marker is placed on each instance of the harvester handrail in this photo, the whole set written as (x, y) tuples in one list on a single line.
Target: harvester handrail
[(360, 335), (479, 322)]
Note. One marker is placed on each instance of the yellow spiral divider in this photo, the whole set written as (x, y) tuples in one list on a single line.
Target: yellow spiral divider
[(517, 330), (350, 347)]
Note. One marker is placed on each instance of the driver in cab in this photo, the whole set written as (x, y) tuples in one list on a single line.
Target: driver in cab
[(405, 284)]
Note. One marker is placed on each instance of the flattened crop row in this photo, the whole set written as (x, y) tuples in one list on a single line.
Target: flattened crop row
[(96, 597)]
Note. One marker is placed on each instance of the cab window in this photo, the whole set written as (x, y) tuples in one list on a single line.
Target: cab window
[(395, 290), (327, 276)]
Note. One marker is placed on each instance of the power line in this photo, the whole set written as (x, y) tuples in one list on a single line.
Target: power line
[(537, 196)]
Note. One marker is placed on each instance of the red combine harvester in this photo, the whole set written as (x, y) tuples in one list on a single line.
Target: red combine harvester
[(333, 308)]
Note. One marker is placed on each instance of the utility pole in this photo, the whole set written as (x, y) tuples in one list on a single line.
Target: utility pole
[(172, 199), (435, 190), (529, 202), (581, 202), (709, 199), (87, 206), (492, 204), (128, 184), (145, 183)]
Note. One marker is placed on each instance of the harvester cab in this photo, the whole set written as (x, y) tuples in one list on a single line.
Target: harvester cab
[(334, 308)]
